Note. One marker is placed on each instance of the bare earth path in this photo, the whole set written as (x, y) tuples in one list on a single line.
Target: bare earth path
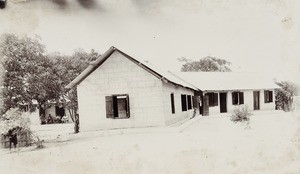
[(208, 145)]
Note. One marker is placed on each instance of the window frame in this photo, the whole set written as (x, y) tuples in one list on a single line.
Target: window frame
[(239, 98), (268, 95), (189, 102), (183, 102), (213, 99), (114, 112), (172, 103)]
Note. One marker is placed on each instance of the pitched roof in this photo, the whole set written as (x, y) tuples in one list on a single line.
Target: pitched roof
[(161, 74), (205, 81), (218, 81)]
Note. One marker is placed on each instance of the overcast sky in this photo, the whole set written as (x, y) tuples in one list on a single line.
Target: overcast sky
[(256, 35)]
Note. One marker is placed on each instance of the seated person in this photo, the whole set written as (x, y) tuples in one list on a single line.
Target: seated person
[(50, 119), (43, 119), (64, 119), (57, 119)]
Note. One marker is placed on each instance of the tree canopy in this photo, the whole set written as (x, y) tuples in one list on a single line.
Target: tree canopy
[(206, 64), (33, 75), (24, 64)]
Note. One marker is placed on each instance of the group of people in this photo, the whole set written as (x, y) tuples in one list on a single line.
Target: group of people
[(56, 119)]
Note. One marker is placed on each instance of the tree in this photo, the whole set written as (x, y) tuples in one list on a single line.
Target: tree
[(26, 70), (206, 64), (285, 95), (67, 68), (32, 75)]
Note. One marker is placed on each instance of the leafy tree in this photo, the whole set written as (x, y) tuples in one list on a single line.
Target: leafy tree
[(23, 61), (30, 74), (285, 95), (67, 68), (206, 64)]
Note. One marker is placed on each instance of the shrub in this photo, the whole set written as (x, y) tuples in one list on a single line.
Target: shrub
[(241, 114), (285, 95), (15, 120)]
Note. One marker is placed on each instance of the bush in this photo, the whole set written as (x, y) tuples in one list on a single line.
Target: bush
[(15, 120), (12, 119), (285, 95), (241, 114)]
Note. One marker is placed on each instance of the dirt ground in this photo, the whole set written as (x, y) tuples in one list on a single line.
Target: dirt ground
[(271, 144)]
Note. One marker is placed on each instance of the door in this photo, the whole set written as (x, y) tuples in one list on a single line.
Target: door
[(256, 99), (205, 105), (223, 102), (200, 103)]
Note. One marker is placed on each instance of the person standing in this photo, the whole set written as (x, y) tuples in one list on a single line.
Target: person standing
[(13, 139)]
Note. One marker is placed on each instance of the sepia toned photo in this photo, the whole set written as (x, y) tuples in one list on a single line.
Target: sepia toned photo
[(149, 87)]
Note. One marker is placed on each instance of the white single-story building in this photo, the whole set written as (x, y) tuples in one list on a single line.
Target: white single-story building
[(224, 91), (119, 91)]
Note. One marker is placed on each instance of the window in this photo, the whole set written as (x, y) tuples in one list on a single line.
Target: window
[(237, 98), (268, 96), (172, 104), (213, 99), (189, 100), (117, 106), (241, 98), (183, 103)]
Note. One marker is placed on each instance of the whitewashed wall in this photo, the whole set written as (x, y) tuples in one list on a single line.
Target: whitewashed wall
[(248, 100), (296, 104), (170, 118), (119, 75), (266, 106), (50, 110)]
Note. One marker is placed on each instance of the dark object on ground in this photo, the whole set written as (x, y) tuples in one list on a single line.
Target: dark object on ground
[(12, 136), (2, 4), (76, 128)]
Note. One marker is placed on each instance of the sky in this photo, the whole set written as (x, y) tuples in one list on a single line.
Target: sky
[(255, 36)]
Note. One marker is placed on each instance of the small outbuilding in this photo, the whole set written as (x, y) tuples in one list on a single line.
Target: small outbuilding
[(119, 91)]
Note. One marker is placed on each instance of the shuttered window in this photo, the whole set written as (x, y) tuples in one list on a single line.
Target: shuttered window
[(216, 101), (237, 98), (109, 107), (213, 99), (189, 100), (117, 106), (172, 103), (183, 103), (241, 98), (268, 96)]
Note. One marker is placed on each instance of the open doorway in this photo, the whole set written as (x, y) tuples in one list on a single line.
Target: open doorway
[(223, 102), (256, 100)]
